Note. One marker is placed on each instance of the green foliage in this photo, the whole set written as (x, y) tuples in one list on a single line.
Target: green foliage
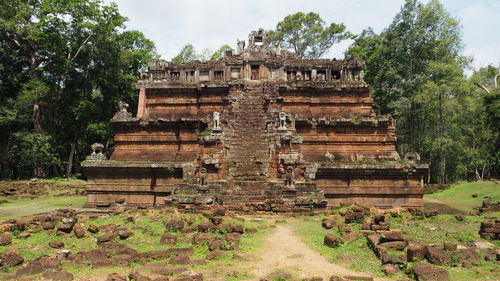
[(73, 60), (307, 34), (27, 151), (219, 53), (188, 54), (416, 69)]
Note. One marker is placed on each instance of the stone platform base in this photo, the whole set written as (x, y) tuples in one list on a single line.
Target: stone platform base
[(152, 185)]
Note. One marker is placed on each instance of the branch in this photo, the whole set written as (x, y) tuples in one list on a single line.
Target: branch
[(79, 49), (495, 80), (483, 87), (14, 39)]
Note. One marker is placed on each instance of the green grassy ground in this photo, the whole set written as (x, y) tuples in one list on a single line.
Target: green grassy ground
[(37, 244), (57, 197), (42, 204), (362, 257), (459, 196)]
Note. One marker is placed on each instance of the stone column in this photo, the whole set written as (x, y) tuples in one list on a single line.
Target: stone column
[(141, 108)]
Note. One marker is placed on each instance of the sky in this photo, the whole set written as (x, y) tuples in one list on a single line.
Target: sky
[(210, 24)]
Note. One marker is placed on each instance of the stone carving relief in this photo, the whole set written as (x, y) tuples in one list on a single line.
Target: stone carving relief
[(203, 176), (216, 117), (123, 106), (122, 111), (310, 172), (412, 157), (329, 157), (97, 155), (282, 121), (240, 46)]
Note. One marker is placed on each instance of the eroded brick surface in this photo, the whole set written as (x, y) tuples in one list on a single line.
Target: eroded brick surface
[(256, 130)]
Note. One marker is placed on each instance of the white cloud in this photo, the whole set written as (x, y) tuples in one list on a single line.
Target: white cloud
[(484, 55), (210, 24)]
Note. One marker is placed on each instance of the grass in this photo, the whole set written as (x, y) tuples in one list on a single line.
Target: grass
[(459, 196), (43, 204), (149, 241), (65, 181), (225, 266), (362, 257), (436, 230)]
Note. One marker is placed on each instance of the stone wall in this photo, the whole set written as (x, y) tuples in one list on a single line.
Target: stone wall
[(255, 130)]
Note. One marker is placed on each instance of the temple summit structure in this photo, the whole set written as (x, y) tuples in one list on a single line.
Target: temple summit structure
[(259, 129)]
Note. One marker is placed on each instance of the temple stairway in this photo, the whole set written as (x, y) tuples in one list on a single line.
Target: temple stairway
[(247, 184), (248, 154)]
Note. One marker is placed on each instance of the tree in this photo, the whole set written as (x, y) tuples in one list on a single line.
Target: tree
[(219, 53), (307, 34), (187, 54), (67, 64), (418, 55), (488, 138)]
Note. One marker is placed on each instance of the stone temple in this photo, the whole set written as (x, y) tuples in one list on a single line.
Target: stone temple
[(259, 129)]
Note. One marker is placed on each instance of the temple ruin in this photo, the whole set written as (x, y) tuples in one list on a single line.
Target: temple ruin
[(259, 129)]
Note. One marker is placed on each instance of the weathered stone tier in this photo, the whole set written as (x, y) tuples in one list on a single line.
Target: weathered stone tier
[(255, 130)]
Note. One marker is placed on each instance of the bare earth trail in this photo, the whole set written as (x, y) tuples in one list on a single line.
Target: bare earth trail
[(283, 250)]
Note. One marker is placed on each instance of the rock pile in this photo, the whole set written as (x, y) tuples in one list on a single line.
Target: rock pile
[(378, 223), (489, 207), (490, 229)]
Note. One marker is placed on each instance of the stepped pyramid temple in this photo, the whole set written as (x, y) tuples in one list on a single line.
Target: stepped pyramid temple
[(259, 129)]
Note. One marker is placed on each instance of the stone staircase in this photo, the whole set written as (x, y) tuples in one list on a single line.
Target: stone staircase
[(272, 196), (247, 187), (248, 154)]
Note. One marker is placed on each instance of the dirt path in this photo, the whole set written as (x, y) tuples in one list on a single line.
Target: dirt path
[(283, 250)]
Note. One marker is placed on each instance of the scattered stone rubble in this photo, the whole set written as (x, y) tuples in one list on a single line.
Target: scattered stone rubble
[(213, 230), (490, 229), (489, 207), (395, 251), (35, 188)]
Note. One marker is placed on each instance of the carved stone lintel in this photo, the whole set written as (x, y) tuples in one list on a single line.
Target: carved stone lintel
[(291, 158)]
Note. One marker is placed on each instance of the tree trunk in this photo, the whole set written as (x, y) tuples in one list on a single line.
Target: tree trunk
[(37, 126), (442, 153), (69, 168), (482, 172)]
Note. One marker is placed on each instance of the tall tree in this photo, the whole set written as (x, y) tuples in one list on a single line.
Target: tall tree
[(403, 60), (72, 63), (307, 34)]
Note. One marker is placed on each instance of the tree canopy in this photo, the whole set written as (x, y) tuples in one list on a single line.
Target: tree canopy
[(64, 65), (188, 53), (416, 69), (307, 34)]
